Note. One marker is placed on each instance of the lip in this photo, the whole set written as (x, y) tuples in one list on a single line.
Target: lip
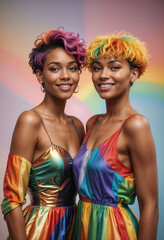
[(105, 86), (65, 87)]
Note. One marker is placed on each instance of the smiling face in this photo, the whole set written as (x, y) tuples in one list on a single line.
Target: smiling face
[(112, 77), (60, 74)]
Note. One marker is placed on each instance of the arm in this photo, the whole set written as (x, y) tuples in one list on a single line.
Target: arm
[(15, 224), (143, 157), (22, 147)]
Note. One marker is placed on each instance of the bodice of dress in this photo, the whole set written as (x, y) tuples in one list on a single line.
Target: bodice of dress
[(100, 176), (51, 180)]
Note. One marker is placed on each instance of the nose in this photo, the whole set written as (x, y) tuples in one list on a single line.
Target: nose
[(105, 74), (64, 74)]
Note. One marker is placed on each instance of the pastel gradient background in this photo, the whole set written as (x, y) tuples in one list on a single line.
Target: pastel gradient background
[(21, 21)]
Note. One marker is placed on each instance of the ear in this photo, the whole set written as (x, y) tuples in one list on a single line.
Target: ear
[(39, 76), (135, 75)]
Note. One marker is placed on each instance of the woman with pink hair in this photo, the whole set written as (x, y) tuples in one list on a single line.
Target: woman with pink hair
[(117, 160), (44, 143)]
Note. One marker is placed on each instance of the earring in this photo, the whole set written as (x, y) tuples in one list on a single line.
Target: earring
[(42, 87), (77, 89), (131, 83)]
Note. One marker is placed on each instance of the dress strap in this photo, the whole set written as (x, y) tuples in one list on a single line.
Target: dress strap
[(93, 123), (128, 119), (43, 125), (76, 128)]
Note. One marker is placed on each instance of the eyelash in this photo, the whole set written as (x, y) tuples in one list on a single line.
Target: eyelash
[(73, 69), (96, 69), (114, 68), (55, 69)]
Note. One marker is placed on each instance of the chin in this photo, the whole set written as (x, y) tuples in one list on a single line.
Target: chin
[(104, 96), (67, 96)]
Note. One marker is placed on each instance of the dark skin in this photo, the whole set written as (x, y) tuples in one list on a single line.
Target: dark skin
[(60, 76), (112, 79)]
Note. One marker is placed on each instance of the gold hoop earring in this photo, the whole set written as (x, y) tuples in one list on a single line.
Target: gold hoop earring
[(42, 87), (76, 91)]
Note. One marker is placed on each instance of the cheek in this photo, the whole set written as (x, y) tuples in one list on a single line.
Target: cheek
[(121, 77), (94, 77), (76, 77)]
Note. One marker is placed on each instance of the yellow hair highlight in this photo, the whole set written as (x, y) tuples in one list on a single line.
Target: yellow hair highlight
[(119, 46)]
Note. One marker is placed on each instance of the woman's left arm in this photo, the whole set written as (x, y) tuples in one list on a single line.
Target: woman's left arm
[(143, 158)]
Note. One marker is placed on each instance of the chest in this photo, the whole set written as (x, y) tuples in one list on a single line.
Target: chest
[(100, 133)]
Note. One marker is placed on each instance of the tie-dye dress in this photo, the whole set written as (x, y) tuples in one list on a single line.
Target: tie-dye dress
[(106, 187), (49, 182)]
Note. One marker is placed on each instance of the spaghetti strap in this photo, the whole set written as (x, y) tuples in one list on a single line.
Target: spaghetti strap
[(43, 125), (128, 119), (76, 128), (88, 132), (93, 123)]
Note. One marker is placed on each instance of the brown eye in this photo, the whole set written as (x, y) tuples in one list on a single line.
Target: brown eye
[(54, 69), (73, 69), (115, 68), (96, 69)]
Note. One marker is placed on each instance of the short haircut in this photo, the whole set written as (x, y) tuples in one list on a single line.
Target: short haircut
[(53, 39), (119, 46)]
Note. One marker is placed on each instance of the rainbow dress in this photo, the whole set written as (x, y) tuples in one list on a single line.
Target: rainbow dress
[(49, 182), (106, 187)]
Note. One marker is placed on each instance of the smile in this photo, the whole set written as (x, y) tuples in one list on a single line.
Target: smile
[(105, 86), (65, 87)]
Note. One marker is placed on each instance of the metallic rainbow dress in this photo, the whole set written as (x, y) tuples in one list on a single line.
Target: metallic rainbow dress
[(106, 187), (49, 182)]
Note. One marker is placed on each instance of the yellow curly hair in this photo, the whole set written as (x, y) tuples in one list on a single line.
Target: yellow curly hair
[(119, 46)]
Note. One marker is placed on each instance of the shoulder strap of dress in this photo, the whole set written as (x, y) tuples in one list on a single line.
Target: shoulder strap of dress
[(129, 118), (93, 123), (43, 125), (76, 128)]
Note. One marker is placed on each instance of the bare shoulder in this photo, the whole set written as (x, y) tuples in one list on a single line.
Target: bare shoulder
[(79, 125), (28, 122), (25, 135), (90, 121), (29, 119), (136, 125)]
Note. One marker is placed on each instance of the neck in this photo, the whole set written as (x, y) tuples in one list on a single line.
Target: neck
[(53, 107), (117, 108)]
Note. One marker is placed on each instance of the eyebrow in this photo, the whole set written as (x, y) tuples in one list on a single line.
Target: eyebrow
[(59, 63), (111, 61)]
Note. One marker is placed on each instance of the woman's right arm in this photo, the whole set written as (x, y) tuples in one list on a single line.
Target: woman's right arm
[(17, 173)]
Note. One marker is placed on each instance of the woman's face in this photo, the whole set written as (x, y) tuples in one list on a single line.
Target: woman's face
[(112, 77), (60, 74)]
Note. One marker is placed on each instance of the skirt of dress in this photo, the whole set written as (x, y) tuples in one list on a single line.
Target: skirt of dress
[(99, 222), (49, 223)]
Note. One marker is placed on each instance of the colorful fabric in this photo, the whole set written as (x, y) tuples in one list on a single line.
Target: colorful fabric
[(15, 182), (106, 187), (51, 214)]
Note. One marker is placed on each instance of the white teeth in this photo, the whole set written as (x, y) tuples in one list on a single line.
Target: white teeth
[(106, 85), (65, 85)]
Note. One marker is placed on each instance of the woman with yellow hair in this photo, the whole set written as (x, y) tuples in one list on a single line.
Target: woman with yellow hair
[(117, 160)]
